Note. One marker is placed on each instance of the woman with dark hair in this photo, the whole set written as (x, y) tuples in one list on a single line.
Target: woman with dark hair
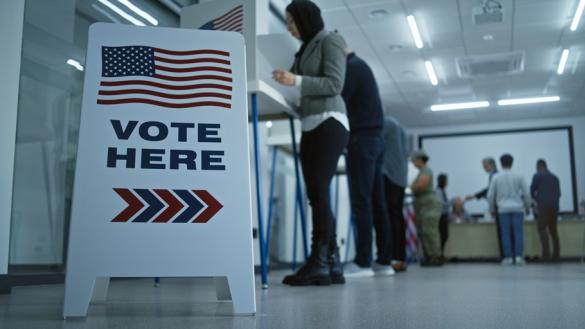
[(319, 72), (427, 210)]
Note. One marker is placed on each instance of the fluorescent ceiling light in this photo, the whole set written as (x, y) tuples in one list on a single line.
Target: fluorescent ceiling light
[(414, 30), (578, 14), (532, 100), (139, 12), (459, 106), (431, 73), (75, 64), (122, 13), (563, 61)]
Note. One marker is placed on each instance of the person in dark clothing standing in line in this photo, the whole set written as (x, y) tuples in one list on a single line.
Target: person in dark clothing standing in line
[(365, 160), (489, 165), (546, 191), (395, 171), (447, 204), (318, 71)]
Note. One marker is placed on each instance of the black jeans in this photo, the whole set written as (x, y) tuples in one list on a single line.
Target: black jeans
[(320, 152), (365, 160), (395, 206), (444, 231), (547, 221)]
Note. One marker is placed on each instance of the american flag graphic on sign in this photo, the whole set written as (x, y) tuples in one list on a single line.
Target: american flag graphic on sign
[(233, 20), (165, 78)]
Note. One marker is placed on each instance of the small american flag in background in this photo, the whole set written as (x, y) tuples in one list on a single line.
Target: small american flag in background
[(165, 78), (233, 20), (411, 241)]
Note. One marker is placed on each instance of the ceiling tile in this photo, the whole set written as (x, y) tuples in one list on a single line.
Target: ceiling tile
[(535, 36), (329, 4), (338, 18), (543, 12)]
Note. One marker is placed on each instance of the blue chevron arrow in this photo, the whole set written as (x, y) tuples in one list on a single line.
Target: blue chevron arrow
[(154, 206), (194, 206)]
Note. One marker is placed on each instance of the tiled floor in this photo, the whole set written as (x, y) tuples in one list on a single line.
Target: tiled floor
[(455, 296)]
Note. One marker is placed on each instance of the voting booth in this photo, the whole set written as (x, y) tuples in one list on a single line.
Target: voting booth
[(162, 184), (268, 99), (264, 52)]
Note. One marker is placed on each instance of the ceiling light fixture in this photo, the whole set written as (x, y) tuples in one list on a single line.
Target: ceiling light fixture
[(532, 100), (75, 64), (378, 13), (578, 14), (139, 12), (122, 13), (459, 106), (395, 47), (414, 30), (563, 62), (431, 73)]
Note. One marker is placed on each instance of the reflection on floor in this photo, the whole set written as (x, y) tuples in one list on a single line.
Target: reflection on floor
[(455, 296)]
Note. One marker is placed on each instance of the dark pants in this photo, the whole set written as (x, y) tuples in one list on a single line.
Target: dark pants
[(547, 221), (444, 231), (365, 160), (395, 207), (320, 152)]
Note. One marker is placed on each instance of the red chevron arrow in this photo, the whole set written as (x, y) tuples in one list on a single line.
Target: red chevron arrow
[(134, 205), (213, 206), (174, 206)]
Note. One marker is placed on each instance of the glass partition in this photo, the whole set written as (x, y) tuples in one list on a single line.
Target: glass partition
[(51, 82)]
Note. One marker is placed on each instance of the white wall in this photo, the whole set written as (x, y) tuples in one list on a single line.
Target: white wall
[(11, 22), (578, 124)]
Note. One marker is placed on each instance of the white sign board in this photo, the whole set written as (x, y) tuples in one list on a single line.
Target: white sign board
[(162, 185)]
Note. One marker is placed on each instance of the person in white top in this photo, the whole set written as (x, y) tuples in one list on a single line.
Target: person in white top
[(509, 194)]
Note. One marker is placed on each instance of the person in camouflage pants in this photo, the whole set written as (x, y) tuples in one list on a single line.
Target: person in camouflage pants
[(427, 208)]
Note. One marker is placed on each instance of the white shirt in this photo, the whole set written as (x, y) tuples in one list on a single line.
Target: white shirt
[(311, 122)]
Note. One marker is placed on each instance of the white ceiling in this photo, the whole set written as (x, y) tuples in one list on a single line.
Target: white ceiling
[(540, 28)]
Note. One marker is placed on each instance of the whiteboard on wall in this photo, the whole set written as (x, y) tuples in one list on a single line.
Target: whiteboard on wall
[(459, 155)]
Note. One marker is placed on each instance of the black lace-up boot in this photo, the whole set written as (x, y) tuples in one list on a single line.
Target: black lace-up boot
[(316, 270), (335, 266)]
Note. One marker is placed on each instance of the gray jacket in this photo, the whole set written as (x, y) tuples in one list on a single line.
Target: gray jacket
[(508, 192), (322, 67)]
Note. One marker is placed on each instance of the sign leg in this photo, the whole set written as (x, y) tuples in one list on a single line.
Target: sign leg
[(78, 292), (242, 291), (222, 289), (100, 290)]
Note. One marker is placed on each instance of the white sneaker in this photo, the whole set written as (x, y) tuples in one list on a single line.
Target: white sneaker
[(520, 261), (353, 270), (507, 261), (382, 270)]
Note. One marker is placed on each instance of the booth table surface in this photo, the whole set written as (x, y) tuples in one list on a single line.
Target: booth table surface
[(479, 240)]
